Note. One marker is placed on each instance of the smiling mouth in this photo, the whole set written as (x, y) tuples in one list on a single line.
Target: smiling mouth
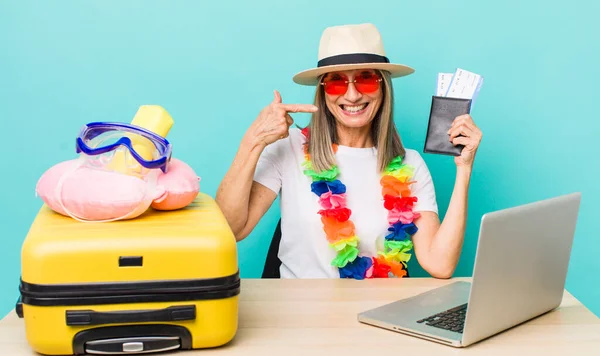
[(354, 109)]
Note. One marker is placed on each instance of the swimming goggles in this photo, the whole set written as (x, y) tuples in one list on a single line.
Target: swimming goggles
[(147, 148)]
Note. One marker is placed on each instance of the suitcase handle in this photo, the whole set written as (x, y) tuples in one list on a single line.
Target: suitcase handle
[(19, 308), (91, 317), (115, 337)]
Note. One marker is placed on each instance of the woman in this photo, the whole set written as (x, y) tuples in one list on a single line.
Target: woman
[(354, 201)]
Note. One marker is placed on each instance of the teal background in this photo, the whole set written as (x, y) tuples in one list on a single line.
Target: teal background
[(214, 65)]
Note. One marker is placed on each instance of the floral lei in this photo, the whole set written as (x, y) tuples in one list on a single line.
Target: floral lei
[(339, 229)]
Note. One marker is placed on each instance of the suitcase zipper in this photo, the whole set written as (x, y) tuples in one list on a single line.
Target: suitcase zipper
[(130, 292)]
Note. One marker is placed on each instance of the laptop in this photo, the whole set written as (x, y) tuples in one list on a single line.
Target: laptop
[(520, 270)]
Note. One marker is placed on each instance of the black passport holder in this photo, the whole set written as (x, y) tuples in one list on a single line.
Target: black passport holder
[(443, 112)]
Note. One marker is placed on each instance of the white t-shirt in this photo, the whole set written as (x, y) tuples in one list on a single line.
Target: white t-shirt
[(304, 249)]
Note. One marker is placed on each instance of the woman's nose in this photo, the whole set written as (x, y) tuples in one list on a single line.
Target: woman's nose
[(352, 94)]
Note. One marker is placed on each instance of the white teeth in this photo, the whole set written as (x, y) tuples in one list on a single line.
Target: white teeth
[(354, 108)]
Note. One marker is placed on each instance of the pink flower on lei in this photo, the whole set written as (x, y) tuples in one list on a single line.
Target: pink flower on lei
[(332, 201), (404, 216)]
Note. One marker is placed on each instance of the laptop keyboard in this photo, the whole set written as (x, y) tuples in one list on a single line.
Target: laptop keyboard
[(451, 319)]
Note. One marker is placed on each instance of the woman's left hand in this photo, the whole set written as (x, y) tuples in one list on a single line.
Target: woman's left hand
[(470, 137)]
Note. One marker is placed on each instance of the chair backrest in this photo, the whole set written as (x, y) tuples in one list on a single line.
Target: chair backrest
[(272, 262)]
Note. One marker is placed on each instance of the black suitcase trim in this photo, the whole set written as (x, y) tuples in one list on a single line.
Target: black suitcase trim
[(129, 292)]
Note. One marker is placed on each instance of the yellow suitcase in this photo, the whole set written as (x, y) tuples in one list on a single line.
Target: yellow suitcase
[(163, 281)]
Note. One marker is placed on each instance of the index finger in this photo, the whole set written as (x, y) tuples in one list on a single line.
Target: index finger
[(299, 107)]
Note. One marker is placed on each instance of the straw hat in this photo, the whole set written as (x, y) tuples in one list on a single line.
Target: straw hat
[(349, 47)]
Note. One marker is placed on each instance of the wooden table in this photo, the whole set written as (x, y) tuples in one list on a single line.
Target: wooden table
[(318, 317)]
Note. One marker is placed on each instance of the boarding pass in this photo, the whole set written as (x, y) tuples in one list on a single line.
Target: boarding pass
[(460, 84)]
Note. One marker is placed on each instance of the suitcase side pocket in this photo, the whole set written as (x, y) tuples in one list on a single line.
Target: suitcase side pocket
[(91, 317)]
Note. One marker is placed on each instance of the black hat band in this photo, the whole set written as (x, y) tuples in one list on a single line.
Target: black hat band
[(352, 58)]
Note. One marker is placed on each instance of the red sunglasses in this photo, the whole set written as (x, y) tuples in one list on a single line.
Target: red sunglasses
[(337, 84)]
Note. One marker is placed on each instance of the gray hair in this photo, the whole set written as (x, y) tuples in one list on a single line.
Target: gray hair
[(323, 132)]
